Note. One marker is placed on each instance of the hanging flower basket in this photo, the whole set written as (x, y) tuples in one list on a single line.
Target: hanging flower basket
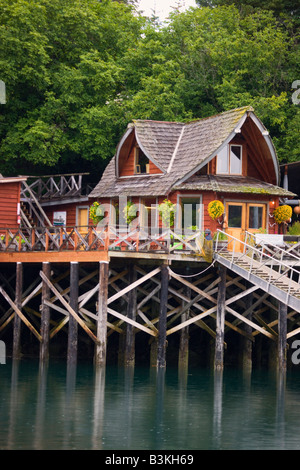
[(167, 212), (215, 209), (129, 212), (282, 214), (96, 212)]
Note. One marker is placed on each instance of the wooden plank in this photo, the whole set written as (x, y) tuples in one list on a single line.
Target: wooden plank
[(69, 308), (192, 286), (53, 256), (253, 325), (132, 322), (133, 285), (20, 314)]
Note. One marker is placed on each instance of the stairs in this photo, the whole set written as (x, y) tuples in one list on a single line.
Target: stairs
[(272, 275), (26, 217)]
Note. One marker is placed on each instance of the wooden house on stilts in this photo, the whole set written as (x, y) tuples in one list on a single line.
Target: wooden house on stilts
[(185, 251)]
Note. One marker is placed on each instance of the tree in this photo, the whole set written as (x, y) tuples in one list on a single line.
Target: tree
[(60, 60)]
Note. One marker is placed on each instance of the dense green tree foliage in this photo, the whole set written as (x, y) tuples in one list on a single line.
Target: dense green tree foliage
[(77, 72)]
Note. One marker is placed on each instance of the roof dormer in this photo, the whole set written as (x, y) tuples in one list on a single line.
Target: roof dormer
[(132, 159)]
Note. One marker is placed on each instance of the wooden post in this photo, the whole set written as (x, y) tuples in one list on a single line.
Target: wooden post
[(162, 326), (17, 319), (45, 315), (220, 321), (131, 314), (73, 325), (100, 355), (282, 332), (246, 352), (183, 356)]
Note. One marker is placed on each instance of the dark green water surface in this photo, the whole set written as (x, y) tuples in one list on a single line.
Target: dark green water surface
[(141, 409)]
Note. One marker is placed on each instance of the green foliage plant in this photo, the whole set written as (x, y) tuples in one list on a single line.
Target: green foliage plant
[(167, 212), (294, 229), (129, 212), (96, 212)]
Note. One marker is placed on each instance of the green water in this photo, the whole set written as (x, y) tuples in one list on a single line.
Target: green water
[(141, 409)]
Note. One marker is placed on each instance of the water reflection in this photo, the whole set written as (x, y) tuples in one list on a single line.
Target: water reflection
[(82, 407)]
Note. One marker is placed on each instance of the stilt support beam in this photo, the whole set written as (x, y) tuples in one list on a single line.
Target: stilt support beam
[(131, 315), (73, 325), (282, 335), (45, 315), (220, 321), (100, 354), (162, 326), (17, 319)]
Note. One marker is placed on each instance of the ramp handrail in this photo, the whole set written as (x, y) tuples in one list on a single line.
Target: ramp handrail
[(251, 251)]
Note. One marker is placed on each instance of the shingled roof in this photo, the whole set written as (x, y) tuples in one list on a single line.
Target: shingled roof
[(179, 148)]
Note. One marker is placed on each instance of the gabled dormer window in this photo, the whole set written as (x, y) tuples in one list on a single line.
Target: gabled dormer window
[(141, 162), (229, 160)]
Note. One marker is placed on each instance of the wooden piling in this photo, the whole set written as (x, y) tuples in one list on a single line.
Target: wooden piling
[(282, 338), (73, 325), (246, 343), (162, 325), (129, 357), (100, 354), (220, 320), (183, 356), (45, 315), (17, 319)]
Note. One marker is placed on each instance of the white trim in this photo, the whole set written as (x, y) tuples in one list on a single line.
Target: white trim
[(175, 151), (127, 134), (208, 159)]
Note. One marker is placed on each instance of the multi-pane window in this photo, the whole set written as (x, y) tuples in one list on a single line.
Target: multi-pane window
[(229, 160)]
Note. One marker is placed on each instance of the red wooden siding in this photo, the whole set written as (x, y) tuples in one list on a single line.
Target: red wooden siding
[(9, 199), (70, 209)]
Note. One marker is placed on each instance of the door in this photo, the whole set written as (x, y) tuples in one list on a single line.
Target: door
[(190, 214), (236, 219), (242, 217), (83, 218)]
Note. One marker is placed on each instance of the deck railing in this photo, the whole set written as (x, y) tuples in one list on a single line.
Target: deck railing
[(260, 255), (89, 238)]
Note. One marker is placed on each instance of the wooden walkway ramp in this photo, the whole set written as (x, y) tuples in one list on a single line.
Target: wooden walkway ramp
[(268, 267)]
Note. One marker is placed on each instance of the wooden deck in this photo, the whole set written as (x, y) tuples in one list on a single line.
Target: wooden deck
[(87, 244)]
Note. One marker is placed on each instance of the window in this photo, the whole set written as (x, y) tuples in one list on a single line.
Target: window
[(235, 216), (255, 217), (229, 160), (141, 162)]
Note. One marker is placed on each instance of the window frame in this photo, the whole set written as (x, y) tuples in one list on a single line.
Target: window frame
[(137, 149), (228, 154)]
